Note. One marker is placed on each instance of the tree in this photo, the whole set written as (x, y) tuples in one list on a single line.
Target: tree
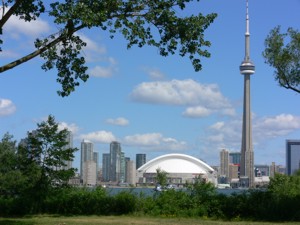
[(161, 177), (285, 186), (11, 178), (142, 22), (43, 157), (284, 56)]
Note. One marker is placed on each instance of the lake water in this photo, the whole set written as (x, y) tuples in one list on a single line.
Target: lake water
[(151, 191)]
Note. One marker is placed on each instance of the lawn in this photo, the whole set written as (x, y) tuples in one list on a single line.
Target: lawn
[(119, 220)]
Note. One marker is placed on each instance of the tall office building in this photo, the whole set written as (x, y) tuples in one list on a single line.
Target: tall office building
[(235, 157), (115, 161), (105, 167), (247, 68), (273, 169), (292, 156), (224, 163), (88, 165), (69, 140), (122, 178), (140, 159)]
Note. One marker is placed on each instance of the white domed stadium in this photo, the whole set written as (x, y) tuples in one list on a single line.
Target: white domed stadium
[(181, 169)]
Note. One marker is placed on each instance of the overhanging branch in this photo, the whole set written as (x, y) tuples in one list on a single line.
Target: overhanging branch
[(39, 51)]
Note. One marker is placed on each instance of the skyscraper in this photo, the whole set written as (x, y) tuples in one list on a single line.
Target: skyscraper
[(105, 167), (235, 157), (88, 166), (247, 68), (140, 160), (292, 156), (224, 163), (115, 161), (69, 139)]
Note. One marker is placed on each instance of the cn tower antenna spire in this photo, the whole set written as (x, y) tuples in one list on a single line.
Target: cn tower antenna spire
[(247, 68)]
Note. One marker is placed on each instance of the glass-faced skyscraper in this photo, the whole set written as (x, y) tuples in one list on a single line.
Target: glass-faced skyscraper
[(140, 160), (105, 167), (247, 68), (292, 156), (115, 161)]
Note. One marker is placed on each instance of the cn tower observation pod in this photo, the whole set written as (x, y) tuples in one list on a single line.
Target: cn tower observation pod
[(180, 169)]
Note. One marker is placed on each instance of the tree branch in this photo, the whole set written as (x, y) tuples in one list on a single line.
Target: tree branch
[(9, 13), (39, 51)]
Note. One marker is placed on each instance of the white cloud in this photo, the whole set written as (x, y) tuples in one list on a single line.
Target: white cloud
[(120, 121), (71, 127), (102, 71), (180, 92), (92, 45), (7, 107), (203, 99), (217, 125), (154, 73), (99, 71), (272, 127), (149, 139), (99, 136), (16, 27), (155, 141), (9, 54), (228, 134), (196, 112)]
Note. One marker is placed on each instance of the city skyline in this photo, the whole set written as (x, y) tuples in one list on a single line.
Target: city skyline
[(157, 105)]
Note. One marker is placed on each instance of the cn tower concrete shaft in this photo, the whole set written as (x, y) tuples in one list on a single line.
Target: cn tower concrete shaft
[(247, 68)]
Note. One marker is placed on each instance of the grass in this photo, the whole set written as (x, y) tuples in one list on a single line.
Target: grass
[(121, 220)]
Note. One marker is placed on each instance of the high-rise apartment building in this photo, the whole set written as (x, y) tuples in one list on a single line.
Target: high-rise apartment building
[(130, 172), (69, 140), (105, 167), (115, 161), (140, 160), (233, 171), (88, 163), (96, 160), (224, 163), (292, 156), (273, 169), (235, 157), (122, 178)]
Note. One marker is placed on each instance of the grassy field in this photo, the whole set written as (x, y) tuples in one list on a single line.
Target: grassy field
[(119, 220)]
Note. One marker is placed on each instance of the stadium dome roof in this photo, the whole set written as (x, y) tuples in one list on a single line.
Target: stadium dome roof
[(176, 163)]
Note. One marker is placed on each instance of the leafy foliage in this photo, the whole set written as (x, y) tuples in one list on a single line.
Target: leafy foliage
[(161, 177), (141, 22), (284, 56)]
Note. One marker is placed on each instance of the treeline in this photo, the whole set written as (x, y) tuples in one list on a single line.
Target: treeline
[(199, 200), (34, 180)]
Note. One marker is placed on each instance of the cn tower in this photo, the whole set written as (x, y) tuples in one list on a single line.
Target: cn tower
[(247, 68)]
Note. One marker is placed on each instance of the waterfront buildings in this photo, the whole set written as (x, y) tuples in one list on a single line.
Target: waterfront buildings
[(235, 158), (224, 163), (88, 164), (116, 168), (247, 68), (140, 160), (292, 156), (115, 161), (69, 140), (105, 167)]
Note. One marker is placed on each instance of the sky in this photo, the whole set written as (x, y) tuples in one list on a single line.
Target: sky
[(159, 105)]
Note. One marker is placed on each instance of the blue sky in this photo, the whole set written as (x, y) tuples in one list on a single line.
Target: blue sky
[(158, 105)]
